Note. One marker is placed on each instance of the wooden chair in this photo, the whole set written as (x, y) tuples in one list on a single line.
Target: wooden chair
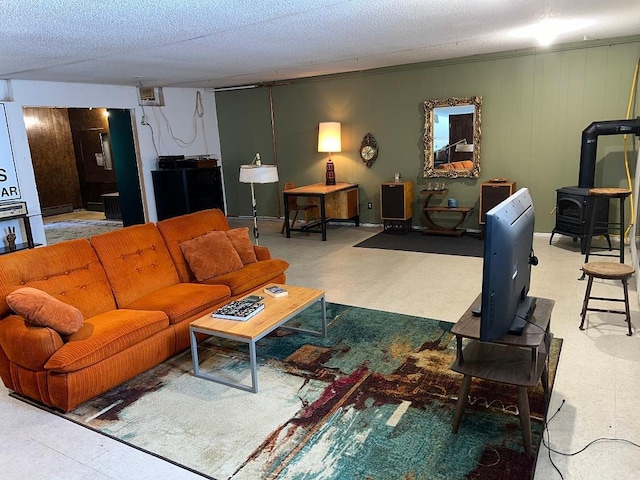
[(294, 206)]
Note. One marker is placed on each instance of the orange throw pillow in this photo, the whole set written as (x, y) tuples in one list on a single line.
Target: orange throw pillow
[(211, 255), (240, 240), (41, 309)]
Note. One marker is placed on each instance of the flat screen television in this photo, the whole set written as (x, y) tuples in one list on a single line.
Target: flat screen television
[(506, 272)]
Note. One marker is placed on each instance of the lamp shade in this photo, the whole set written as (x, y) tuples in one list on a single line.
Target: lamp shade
[(329, 137), (258, 174), (464, 148)]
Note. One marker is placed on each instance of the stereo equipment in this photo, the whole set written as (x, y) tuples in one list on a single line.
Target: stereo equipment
[(12, 209), (173, 162)]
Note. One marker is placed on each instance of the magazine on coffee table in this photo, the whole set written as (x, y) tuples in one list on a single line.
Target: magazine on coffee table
[(240, 310)]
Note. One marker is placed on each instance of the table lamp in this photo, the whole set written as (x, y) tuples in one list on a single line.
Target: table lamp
[(257, 173), (329, 142)]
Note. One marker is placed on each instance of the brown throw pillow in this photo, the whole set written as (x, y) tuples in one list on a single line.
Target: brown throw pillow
[(240, 240), (40, 308), (211, 255)]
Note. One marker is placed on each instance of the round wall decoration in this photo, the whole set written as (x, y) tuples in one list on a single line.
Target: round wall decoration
[(369, 150)]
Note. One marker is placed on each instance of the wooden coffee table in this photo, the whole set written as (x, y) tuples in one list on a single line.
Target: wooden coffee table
[(276, 313)]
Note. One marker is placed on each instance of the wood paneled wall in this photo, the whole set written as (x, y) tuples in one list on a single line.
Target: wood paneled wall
[(53, 157), (63, 144), (535, 106)]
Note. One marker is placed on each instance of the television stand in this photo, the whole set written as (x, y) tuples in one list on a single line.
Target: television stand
[(518, 360)]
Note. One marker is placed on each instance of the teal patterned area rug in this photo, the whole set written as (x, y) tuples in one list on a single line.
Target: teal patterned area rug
[(374, 400)]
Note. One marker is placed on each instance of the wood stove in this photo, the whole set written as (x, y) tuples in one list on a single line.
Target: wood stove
[(574, 207)]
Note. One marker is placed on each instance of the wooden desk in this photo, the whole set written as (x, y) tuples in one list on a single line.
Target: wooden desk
[(337, 202), (518, 360), (432, 227)]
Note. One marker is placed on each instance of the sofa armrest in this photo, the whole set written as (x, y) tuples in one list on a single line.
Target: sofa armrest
[(262, 253), (27, 345)]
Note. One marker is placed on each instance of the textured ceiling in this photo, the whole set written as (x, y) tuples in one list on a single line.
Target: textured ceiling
[(219, 43)]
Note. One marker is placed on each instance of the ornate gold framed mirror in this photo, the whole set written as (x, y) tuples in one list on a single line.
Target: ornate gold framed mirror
[(452, 132)]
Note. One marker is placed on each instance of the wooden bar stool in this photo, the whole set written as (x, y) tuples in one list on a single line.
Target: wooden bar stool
[(609, 193), (607, 271)]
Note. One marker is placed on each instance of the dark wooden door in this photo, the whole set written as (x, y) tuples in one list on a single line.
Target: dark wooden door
[(460, 126)]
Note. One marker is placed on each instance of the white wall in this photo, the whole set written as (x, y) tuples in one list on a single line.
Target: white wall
[(197, 128)]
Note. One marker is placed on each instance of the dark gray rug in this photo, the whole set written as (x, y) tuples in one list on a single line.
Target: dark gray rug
[(415, 241)]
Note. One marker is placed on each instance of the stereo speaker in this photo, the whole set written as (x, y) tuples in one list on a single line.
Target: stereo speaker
[(396, 200), (491, 194)]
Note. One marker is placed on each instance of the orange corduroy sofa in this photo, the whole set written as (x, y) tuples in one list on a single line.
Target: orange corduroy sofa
[(136, 295)]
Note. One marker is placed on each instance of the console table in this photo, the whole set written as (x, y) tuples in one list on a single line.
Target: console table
[(432, 227), (337, 202), (518, 360)]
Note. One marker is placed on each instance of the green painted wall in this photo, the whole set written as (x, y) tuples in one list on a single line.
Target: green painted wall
[(535, 106)]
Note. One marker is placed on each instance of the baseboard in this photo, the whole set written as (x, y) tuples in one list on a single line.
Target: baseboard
[(57, 210), (95, 206)]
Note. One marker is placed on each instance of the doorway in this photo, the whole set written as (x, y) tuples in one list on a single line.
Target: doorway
[(82, 160)]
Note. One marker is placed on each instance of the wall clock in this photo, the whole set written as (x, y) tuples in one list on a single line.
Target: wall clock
[(369, 150)]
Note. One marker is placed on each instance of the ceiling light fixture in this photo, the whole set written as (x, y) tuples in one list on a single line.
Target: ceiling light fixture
[(546, 31)]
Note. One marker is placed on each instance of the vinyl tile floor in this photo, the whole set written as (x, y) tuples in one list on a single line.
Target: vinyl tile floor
[(596, 384)]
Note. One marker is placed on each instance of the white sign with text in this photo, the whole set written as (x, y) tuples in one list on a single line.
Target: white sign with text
[(9, 188)]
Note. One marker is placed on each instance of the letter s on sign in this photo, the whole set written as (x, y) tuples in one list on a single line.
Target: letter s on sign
[(3, 175)]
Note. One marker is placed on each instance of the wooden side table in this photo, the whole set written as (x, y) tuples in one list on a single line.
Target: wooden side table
[(518, 360), (432, 227)]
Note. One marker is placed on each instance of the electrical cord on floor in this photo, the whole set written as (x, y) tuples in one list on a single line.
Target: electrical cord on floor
[(547, 400), (545, 428), (597, 440), (546, 423)]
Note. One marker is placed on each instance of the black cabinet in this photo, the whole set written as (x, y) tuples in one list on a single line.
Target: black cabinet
[(187, 190)]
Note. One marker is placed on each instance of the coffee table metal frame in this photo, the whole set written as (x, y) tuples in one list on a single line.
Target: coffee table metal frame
[(253, 339)]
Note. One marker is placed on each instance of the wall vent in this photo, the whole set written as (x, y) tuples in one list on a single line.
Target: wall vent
[(151, 96)]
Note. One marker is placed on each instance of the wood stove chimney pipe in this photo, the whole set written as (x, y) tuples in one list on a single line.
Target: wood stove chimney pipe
[(589, 147)]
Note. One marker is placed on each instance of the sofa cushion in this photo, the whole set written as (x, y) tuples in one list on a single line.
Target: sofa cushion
[(183, 300), (211, 255), (136, 262), (240, 240), (262, 253), (176, 230), (69, 270), (252, 276), (105, 335), (41, 309)]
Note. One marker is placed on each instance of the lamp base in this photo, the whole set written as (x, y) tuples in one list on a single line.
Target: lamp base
[(331, 173)]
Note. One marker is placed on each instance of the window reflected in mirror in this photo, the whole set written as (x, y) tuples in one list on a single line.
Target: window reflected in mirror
[(452, 137)]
